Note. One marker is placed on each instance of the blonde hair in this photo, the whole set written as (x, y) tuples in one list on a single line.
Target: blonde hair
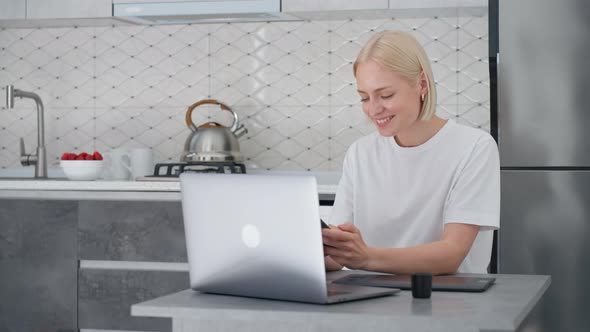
[(402, 53)]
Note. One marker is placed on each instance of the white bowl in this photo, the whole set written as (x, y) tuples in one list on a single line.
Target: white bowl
[(82, 170)]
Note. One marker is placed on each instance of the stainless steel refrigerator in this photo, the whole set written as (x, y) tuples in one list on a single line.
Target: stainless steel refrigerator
[(542, 113)]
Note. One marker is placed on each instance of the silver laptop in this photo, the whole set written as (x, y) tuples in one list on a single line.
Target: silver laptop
[(259, 236)]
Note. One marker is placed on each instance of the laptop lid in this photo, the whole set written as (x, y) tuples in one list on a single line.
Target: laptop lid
[(257, 236)]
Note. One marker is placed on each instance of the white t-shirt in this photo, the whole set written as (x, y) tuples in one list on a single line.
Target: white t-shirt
[(402, 197)]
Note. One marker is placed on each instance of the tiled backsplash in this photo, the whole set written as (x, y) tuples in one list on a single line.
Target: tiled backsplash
[(291, 84)]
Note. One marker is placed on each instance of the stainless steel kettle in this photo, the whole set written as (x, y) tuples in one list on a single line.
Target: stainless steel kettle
[(211, 141)]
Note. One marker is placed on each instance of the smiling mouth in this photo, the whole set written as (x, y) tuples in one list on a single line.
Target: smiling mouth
[(383, 121)]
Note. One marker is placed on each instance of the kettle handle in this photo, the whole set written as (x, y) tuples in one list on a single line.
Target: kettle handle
[(189, 112)]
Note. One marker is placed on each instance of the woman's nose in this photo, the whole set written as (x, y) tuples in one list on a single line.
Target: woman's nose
[(375, 107)]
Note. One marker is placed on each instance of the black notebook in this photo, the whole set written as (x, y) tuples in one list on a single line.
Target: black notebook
[(450, 283)]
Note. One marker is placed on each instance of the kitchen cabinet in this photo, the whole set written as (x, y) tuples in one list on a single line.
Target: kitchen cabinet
[(79, 259), (327, 5), (398, 4), (122, 246), (339, 5), (13, 9), (38, 265), (51, 9)]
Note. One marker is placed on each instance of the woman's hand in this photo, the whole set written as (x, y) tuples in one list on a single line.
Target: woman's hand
[(345, 245)]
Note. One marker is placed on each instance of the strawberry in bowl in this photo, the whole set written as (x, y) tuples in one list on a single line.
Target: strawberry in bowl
[(82, 166)]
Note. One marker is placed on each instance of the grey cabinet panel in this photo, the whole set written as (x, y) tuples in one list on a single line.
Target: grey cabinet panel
[(542, 73), (134, 231), (105, 298), (545, 227), (38, 266)]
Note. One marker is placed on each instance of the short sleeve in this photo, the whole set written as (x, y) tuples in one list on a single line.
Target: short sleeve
[(343, 203), (474, 197)]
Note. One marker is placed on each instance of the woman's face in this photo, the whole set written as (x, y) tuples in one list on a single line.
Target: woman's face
[(388, 99)]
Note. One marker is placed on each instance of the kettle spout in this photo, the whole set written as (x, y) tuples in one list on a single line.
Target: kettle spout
[(240, 131)]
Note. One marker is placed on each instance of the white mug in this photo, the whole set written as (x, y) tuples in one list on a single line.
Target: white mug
[(118, 162), (142, 162)]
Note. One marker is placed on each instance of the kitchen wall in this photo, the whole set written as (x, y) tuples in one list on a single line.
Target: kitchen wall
[(290, 83)]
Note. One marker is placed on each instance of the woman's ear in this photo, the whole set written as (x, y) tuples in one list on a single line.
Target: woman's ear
[(423, 82)]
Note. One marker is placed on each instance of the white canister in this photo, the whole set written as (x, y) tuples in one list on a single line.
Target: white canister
[(142, 162)]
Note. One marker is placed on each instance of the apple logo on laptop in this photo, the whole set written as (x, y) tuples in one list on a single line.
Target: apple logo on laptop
[(250, 236)]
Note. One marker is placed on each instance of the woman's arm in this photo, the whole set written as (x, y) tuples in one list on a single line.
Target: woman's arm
[(347, 248)]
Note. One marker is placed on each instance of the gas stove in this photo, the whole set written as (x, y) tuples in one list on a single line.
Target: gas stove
[(171, 171)]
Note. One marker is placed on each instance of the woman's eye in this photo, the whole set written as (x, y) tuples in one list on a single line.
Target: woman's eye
[(364, 100), (387, 97)]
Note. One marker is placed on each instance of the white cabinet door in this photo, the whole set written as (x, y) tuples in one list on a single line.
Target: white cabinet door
[(12, 9), (68, 8), (396, 4), (323, 5)]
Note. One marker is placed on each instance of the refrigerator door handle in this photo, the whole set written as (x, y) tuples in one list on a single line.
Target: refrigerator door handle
[(498, 93)]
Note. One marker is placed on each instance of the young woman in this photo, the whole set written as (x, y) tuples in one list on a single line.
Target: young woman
[(422, 194)]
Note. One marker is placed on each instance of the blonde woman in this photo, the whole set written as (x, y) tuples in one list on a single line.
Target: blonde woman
[(422, 194)]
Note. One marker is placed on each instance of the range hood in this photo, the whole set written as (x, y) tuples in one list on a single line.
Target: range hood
[(198, 11)]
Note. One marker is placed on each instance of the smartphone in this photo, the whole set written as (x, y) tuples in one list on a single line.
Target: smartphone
[(324, 225)]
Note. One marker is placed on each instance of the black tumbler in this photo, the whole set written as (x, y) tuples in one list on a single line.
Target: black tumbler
[(421, 285)]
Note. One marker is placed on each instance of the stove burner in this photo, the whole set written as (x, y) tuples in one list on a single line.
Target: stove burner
[(173, 170)]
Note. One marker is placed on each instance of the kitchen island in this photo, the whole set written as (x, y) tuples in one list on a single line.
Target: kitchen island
[(503, 307)]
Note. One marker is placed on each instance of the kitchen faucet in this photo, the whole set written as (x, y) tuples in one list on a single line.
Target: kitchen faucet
[(38, 159)]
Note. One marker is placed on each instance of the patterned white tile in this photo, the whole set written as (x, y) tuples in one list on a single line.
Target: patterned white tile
[(290, 82), (191, 35), (311, 159), (169, 149), (21, 47), (476, 93), (290, 148), (8, 157), (476, 26), (148, 138), (250, 148), (152, 37), (74, 141), (25, 126), (269, 159), (113, 138), (151, 56), (170, 126), (269, 53), (477, 116), (7, 38), (446, 81), (76, 36), (21, 68), (315, 32), (111, 97), (112, 57), (349, 123), (352, 30)]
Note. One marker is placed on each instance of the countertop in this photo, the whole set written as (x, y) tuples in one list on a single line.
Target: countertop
[(59, 188), (503, 307)]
